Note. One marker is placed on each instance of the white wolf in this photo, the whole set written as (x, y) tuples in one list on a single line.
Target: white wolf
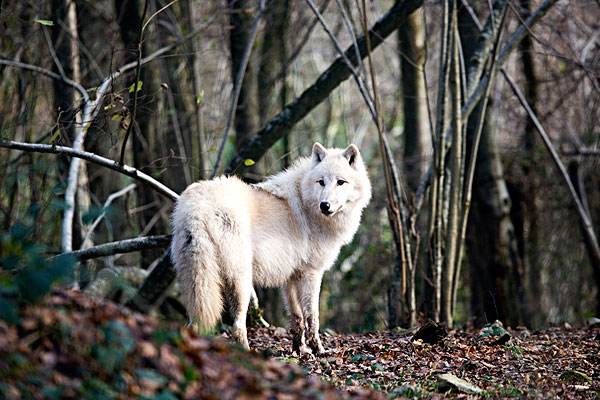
[(284, 232)]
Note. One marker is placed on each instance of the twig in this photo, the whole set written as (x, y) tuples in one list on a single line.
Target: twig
[(94, 158), (48, 73), (107, 203), (237, 85)]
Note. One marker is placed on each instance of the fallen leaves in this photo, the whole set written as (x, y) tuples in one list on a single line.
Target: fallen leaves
[(500, 362), (71, 347)]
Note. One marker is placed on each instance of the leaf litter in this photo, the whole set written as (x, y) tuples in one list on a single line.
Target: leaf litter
[(72, 346)]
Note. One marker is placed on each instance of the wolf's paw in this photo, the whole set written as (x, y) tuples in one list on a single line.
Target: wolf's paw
[(301, 350), (317, 349)]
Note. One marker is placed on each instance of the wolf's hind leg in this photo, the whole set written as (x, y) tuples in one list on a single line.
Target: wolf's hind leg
[(239, 300), (310, 287), (294, 309)]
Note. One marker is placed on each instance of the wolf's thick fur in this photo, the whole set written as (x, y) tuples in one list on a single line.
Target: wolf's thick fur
[(285, 232)]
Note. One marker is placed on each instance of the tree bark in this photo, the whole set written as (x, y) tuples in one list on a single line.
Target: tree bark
[(200, 155), (578, 182)]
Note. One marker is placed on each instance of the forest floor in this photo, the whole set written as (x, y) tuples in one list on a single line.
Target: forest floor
[(559, 363), (74, 347)]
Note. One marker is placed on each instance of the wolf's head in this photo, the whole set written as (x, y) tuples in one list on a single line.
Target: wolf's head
[(337, 181)]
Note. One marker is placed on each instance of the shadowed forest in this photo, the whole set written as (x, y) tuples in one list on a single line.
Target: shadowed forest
[(476, 268)]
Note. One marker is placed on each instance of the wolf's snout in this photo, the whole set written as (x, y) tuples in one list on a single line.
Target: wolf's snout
[(325, 207)]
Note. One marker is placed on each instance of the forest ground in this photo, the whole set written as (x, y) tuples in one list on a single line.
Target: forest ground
[(553, 363), (73, 346)]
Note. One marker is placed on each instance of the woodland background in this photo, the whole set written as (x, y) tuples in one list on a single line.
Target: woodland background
[(204, 90)]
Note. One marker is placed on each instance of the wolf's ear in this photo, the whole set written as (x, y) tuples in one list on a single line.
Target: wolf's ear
[(318, 153), (352, 154)]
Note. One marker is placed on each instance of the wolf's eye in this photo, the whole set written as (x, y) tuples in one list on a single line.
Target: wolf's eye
[(340, 182), (321, 182)]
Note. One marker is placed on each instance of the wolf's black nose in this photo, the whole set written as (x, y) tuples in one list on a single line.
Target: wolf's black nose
[(325, 206)]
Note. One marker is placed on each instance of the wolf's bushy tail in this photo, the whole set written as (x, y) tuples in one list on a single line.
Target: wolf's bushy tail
[(195, 259)]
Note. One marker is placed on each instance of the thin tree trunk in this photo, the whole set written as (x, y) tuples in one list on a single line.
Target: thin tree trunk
[(527, 230), (177, 135), (456, 182), (199, 144), (129, 21), (64, 98), (273, 68), (241, 16), (437, 194), (417, 129)]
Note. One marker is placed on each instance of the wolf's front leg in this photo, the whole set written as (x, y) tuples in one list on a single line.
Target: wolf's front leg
[(310, 287), (294, 308)]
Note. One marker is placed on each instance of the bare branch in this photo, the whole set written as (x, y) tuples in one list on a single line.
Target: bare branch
[(48, 73), (107, 203), (584, 217), (338, 72), (119, 247), (94, 158)]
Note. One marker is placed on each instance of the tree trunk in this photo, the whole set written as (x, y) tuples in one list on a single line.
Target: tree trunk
[(496, 270), (417, 129), (65, 42), (177, 136), (578, 182), (273, 70), (495, 266), (527, 227), (241, 15), (199, 146), (130, 22)]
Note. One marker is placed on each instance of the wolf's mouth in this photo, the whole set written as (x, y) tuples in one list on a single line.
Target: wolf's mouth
[(327, 212)]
